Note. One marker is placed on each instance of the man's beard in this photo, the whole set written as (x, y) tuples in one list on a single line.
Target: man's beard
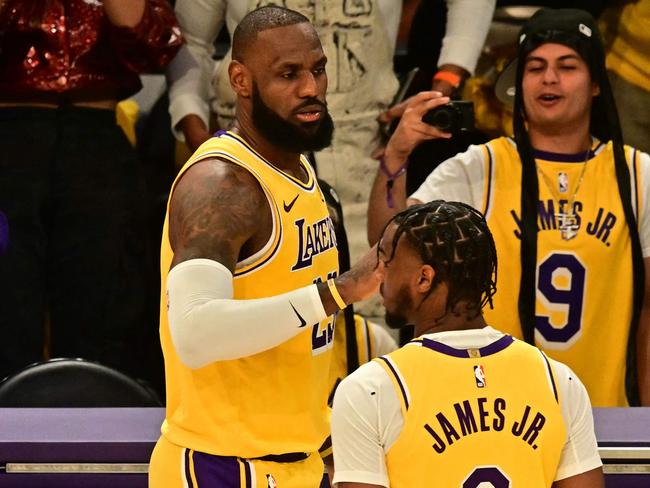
[(396, 319), (311, 136)]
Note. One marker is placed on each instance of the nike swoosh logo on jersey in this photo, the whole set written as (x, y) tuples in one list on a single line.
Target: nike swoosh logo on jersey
[(287, 208), (303, 322)]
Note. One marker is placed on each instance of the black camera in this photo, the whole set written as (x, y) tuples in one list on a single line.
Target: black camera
[(454, 117)]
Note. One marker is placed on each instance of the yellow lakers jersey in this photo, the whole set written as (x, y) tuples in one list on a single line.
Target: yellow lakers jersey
[(584, 283), (273, 402), (474, 415)]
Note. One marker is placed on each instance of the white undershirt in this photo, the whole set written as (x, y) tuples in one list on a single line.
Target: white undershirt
[(382, 341), (365, 425)]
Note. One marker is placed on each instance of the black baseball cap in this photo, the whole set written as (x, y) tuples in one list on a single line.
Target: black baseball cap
[(571, 27)]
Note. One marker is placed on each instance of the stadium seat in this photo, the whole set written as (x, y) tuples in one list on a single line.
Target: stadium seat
[(74, 383)]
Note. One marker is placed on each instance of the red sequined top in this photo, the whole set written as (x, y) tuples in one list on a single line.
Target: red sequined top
[(69, 47)]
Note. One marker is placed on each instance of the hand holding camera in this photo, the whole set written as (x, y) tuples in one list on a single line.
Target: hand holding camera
[(454, 117), (412, 130), (429, 115)]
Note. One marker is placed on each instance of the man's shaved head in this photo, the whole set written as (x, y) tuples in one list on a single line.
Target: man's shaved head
[(260, 20)]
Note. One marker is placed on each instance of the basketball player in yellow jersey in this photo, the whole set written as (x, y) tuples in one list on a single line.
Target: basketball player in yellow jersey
[(567, 204), (249, 278), (463, 405)]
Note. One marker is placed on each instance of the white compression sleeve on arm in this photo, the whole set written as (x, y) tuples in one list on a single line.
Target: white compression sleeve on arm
[(206, 324)]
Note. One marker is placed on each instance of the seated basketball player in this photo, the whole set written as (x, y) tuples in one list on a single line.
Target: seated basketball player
[(248, 262), (463, 405)]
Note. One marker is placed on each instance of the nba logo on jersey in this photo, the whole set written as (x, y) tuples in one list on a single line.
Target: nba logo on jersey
[(479, 375), (563, 182), (271, 481)]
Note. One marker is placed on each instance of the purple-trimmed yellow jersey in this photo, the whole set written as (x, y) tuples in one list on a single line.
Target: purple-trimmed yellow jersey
[(475, 417), (273, 402)]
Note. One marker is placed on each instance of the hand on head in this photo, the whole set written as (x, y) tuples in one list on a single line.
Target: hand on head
[(363, 279)]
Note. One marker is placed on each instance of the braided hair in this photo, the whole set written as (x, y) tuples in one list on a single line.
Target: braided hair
[(453, 238), (568, 27)]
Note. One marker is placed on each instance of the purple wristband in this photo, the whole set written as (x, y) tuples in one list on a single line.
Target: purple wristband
[(391, 179)]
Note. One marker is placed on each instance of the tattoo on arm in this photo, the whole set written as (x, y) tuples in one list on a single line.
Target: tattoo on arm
[(215, 209)]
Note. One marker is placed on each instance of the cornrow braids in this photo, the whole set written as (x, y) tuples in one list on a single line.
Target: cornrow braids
[(454, 239)]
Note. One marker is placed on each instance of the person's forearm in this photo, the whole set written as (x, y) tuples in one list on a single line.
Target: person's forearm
[(465, 34), (190, 74), (589, 479), (386, 199), (194, 130), (188, 80), (358, 283), (208, 324), (442, 81), (124, 13), (388, 194), (379, 213)]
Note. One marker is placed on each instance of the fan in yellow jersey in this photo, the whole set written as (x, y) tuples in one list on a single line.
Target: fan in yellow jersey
[(249, 277), (567, 204), (463, 405)]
